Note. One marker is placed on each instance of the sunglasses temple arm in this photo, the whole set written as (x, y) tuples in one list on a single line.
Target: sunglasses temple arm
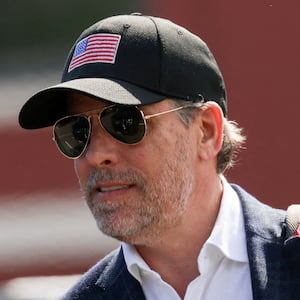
[(166, 112)]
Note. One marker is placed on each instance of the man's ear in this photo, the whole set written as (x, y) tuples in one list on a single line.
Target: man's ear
[(210, 122)]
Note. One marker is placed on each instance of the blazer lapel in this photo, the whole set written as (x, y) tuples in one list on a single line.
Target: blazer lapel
[(268, 265), (117, 283)]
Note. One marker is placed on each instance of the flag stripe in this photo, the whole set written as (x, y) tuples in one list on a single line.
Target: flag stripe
[(91, 54), (95, 48)]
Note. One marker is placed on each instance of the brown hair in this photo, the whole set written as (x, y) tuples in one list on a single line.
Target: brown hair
[(233, 137)]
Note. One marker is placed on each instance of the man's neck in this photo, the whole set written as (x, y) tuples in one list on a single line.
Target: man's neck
[(174, 254)]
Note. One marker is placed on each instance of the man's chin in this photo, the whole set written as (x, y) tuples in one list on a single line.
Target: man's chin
[(132, 236)]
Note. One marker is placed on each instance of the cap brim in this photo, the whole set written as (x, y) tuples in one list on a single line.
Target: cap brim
[(48, 105)]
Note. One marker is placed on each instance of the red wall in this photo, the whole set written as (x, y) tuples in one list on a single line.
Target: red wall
[(30, 163), (257, 45)]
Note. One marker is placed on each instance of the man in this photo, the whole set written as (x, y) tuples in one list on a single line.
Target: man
[(142, 111)]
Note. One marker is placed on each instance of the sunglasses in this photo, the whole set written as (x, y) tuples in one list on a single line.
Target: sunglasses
[(125, 123)]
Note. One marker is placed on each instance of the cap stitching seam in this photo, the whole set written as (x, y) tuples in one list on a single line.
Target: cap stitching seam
[(161, 44)]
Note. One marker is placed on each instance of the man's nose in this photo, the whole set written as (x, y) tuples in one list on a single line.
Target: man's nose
[(103, 149)]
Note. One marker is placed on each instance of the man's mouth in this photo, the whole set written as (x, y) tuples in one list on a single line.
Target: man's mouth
[(113, 188)]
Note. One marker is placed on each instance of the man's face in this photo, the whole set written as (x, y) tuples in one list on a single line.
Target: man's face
[(137, 192)]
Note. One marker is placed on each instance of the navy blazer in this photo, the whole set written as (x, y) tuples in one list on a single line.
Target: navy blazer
[(274, 264)]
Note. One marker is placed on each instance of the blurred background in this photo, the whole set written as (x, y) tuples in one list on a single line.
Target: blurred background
[(47, 236)]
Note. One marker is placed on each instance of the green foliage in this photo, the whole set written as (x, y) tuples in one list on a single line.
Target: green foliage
[(30, 22), (39, 33)]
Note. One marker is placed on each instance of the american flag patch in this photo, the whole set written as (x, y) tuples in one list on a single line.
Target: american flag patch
[(95, 48)]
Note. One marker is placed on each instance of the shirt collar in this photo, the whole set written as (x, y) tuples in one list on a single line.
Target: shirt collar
[(136, 266), (228, 233)]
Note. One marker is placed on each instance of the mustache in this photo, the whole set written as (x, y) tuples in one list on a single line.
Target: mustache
[(102, 175)]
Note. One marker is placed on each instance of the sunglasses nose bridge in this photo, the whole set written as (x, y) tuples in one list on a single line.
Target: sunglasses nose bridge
[(101, 151), (96, 126)]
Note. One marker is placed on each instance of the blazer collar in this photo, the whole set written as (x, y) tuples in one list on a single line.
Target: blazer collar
[(116, 281), (270, 261)]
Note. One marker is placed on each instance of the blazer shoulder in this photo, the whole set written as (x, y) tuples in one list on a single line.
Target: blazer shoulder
[(86, 288), (260, 218)]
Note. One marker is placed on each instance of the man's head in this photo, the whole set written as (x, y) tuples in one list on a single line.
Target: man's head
[(141, 109)]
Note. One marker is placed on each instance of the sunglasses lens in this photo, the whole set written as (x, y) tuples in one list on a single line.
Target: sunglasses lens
[(71, 135), (124, 123)]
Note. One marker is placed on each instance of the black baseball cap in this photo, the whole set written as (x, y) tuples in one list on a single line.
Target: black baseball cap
[(134, 60)]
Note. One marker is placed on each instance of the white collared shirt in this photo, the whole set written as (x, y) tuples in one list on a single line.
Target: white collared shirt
[(223, 261)]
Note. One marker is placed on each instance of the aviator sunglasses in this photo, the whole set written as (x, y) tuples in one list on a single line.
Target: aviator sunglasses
[(125, 123)]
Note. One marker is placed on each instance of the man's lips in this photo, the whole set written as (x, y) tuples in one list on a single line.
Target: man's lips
[(111, 187)]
